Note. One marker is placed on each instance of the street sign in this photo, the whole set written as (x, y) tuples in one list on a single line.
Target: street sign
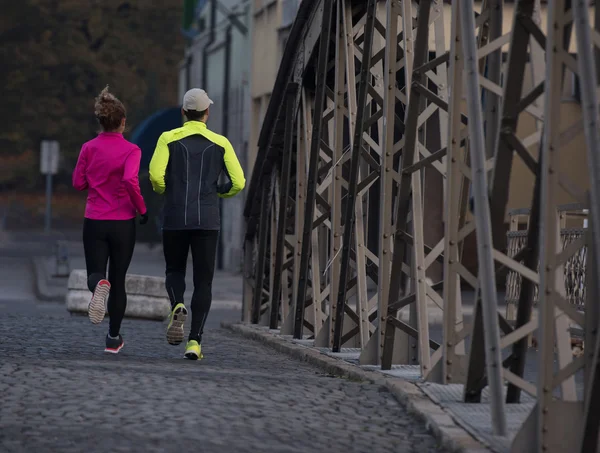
[(49, 157)]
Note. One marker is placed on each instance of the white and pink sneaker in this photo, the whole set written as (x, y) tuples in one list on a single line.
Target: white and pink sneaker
[(97, 307)]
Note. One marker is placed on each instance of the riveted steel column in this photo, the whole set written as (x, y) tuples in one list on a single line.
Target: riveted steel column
[(502, 170), (487, 280), (591, 420), (353, 178), (338, 153), (554, 424), (265, 205), (386, 183), (301, 151), (589, 103), (311, 192), (249, 280), (286, 167), (494, 72), (415, 106), (451, 296)]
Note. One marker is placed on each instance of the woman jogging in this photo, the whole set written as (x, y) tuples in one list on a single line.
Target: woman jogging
[(108, 169)]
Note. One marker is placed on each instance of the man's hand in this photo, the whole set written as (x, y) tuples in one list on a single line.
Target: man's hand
[(224, 188), (144, 219)]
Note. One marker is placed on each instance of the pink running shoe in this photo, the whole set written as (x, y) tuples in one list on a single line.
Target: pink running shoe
[(97, 307)]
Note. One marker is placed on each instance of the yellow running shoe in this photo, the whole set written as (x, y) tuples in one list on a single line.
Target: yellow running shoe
[(193, 350), (175, 327)]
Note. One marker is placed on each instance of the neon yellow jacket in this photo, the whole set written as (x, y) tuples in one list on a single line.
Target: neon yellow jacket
[(186, 167)]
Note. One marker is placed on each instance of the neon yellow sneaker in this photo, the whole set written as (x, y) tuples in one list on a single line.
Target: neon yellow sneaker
[(193, 350), (175, 328)]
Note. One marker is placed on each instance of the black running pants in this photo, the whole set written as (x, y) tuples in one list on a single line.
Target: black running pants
[(109, 242), (176, 247)]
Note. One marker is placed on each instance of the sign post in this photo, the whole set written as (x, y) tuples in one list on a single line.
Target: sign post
[(49, 158)]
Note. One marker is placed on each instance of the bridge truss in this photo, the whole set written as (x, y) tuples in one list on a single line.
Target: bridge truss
[(386, 149)]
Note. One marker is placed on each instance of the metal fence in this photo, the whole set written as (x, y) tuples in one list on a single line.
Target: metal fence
[(573, 222)]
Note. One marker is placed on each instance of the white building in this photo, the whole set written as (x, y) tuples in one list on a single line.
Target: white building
[(234, 50)]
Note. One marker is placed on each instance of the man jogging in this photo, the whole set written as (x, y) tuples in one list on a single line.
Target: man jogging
[(186, 167)]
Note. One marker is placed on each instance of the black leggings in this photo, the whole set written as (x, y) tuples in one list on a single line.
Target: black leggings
[(114, 240), (176, 246)]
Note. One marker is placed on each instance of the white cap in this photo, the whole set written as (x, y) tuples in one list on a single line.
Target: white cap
[(196, 99)]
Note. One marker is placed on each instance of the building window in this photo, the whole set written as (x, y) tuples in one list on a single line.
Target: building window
[(289, 8)]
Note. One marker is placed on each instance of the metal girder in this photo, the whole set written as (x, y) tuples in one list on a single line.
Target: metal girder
[(379, 113), (332, 188), (292, 54), (589, 67), (400, 252), (410, 182), (311, 189), (283, 220), (483, 224), (517, 61), (265, 202), (589, 94), (564, 422), (302, 127), (357, 148), (505, 143)]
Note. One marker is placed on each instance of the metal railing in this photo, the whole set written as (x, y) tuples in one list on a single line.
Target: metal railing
[(573, 223)]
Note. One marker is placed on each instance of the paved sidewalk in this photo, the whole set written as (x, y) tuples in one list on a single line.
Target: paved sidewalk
[(61, 393), (402, 381), (464, 426)]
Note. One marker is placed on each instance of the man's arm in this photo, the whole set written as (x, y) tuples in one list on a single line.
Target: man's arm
[(158, 165), (234, 171)]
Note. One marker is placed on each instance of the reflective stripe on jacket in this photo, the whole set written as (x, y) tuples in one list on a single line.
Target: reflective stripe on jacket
[(186, 166)]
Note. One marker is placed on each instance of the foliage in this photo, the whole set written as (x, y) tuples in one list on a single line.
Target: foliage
[(18, 171), (26, 211), (56, 55)]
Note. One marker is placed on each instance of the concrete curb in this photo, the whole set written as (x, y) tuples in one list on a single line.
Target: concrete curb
[(40, 285), (450, 434), (46, 294)]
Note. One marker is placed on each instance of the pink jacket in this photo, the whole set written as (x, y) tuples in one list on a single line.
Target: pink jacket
[(108, 168)]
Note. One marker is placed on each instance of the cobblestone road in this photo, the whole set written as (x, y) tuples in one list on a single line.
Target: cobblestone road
[(61, 393)]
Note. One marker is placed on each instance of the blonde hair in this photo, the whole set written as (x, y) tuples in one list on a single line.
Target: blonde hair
[(109, 110)]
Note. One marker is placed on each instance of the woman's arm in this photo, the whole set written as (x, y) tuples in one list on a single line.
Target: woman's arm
[(79, 179), (131, 179)]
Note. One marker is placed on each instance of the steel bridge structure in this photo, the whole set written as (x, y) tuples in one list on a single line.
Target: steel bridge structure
[(373, 117)]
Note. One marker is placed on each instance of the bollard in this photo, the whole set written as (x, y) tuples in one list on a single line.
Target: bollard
[(62, 268)]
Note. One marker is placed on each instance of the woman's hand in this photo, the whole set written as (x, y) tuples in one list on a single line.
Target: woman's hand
[(144, 218)]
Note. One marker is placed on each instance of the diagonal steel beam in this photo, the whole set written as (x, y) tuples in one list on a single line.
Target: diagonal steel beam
[(311, 190), (353, 178)]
